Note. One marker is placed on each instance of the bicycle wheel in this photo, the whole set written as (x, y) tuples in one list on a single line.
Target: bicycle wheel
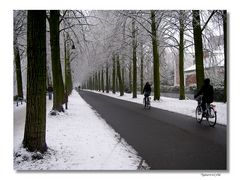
[(212, 117), (198, 114)]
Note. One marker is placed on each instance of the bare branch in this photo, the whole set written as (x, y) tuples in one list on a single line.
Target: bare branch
[(213, 12)]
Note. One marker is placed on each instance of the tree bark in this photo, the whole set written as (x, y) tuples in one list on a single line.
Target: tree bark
[(121, 89), (35, 125), (141, 71), (92, 82), (134, 51), (113, 77), (18, 72), (130, 77), (156, 72), (68, 74), (107, 81), (181, 56), (225, 53), (58, 87), (96, 81), (197, 33), (102, 81), (123, 78), (99, 81)]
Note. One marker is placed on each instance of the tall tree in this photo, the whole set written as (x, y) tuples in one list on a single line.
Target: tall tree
[(156, 72), (19, 38), (99, 81), (130, 76), (181, 56), (68, 74), (58, 93), (134, 57), (224, 17), (107, 81), (123, 77), (96, 81), (18, 72), (35, 125), (121, 88), (141, 71), (113, 75), (197, 33), (102, 80)]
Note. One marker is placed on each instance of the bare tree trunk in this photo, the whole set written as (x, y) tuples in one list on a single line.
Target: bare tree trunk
[(113, 76), (96, 82), (102, 80), (156, 72), (18, 72), (141, 75), (130, 77), (119, 77), (134, 46), (91, 82), (181, 56), (35, 125), (99, 81), (68, 74), (123, 78), (107, 81), (225, 53), (58, 87), (197, 33)]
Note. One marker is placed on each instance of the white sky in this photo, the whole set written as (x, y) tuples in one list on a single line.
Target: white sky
[(6, 106)]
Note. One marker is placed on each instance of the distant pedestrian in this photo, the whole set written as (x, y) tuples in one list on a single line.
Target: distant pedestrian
[(50, 91)]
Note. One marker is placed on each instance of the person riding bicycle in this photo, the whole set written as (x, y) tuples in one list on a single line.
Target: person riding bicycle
[(146, 91), (207, 92)]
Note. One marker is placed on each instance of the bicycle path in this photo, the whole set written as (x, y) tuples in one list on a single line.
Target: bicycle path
[(165, 140)]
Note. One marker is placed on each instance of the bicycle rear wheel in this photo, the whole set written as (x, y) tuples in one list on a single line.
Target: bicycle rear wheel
[(198, 114), (212, 117)]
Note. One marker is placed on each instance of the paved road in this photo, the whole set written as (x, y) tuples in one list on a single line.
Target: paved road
[(165, 140)]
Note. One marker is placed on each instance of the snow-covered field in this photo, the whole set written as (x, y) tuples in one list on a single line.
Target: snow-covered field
[(186, 107), (78, 139)]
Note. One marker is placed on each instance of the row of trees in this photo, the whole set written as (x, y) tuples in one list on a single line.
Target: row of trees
[(31, 25), (115, 47), (138, 40)]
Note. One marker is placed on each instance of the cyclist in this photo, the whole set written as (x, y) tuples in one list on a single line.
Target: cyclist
[(207, 92), (146, 91)]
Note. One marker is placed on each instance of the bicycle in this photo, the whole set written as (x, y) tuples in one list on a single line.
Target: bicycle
[(210, 113), (148, 102)]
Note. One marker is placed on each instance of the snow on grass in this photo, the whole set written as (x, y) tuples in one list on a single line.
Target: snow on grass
[(186, 107), (78, 139)]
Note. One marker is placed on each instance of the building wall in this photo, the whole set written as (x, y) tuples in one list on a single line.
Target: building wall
[(212, 73)]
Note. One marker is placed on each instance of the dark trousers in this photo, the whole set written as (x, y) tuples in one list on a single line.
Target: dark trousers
[(204, 102), (146, 95), (50, 95)]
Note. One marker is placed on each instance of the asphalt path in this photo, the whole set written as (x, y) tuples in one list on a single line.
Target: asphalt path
[(165, 140)]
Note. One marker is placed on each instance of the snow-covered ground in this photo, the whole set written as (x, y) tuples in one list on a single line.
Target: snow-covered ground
[(186, 107), (78, 139)]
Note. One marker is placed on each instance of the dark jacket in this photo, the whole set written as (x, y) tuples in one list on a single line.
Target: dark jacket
[(50, 89), (147, 88), (207, 92)]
